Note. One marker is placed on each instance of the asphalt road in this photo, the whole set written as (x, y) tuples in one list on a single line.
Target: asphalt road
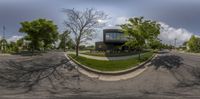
[(171, 75)]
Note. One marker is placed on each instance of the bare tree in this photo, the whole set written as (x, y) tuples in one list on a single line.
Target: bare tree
[(83, 23)]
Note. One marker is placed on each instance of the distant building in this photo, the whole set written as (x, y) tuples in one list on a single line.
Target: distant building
[(112, 39)]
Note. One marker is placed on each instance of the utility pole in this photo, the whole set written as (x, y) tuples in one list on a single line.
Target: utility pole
[(64, 42), (4, 28), (3, 40), (175, 43)]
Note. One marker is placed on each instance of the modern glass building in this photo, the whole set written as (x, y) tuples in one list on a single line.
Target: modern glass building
[(115, 37), (112, 39)]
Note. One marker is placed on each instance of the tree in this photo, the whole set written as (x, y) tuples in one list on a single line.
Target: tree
[(12, 46), (20, 42), (40, 32), (3, 44), (83, 23), (194, 44), (185, 43), (140, 31), (155, 44), (65, 40)]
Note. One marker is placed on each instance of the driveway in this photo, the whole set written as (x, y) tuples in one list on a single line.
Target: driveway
[(171, 75)]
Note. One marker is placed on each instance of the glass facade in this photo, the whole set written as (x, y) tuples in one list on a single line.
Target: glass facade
[(115, 37)]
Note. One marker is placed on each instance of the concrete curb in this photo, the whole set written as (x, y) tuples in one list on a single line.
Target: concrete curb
[(110, 72)]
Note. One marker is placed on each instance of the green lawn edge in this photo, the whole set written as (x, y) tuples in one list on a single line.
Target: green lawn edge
[(104, 55), (112, 65)]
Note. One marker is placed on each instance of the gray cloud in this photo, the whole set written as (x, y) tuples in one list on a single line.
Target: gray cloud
[(176, 13), (169, 34)]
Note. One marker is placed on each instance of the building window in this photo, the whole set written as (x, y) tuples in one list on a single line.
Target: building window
[(115, 36)]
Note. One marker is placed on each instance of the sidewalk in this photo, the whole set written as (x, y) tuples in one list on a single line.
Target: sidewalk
[(105, 58), (187, 52), (4, 54)]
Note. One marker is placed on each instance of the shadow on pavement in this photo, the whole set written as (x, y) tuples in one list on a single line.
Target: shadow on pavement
[(28, 53), (18, 75), (187, 75), (193, 80), (167, 61)]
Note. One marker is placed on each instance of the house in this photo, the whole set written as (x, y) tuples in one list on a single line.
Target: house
[(113, 39)]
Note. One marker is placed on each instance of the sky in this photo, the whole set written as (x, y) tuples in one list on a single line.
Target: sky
[(179, 18)]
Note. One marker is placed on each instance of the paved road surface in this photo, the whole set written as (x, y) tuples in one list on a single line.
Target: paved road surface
[(170, 76)]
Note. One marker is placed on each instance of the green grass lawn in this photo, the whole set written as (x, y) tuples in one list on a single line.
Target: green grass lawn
[(103, 54), (112, 65)]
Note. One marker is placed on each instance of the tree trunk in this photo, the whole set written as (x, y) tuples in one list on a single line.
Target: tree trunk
[(64, 44), (64, 49), (44, 48), (77, 50), (139, 56), (32, 49)]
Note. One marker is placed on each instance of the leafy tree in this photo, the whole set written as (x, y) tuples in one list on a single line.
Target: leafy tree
[(194, 44), (140, 31), (3, 45), (185, 43), (12, 46), (82, 47), (65, 40), (90, 47), (155, 44), (83, 23), (20, 42), (40, 32)]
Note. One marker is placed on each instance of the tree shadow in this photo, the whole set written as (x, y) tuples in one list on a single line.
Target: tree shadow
[(16, 75), (167, 61), (28, 53), (194, 80), (187, 75)]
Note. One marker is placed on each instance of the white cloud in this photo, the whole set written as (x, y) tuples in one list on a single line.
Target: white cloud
[(14, 38), (102, 21), (115, 22), (121, 20), (169, 34)]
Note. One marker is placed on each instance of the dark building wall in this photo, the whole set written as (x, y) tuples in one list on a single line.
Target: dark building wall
[(100, 46), (112, 39)]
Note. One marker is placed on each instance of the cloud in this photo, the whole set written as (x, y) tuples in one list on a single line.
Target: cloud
[(121, 20), (102, 21), (117, 21), (14, 38), (169, 34)]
